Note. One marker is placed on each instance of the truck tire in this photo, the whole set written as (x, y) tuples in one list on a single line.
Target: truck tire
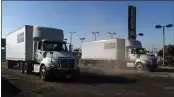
[(21, 67), (27, 68), (9, 64), (139, 66), (43, 73)]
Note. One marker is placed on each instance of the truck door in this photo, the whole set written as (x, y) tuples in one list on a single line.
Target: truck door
[(39, 55), (132, 55), (131, 58)]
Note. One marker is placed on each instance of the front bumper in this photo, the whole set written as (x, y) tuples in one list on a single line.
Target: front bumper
[(152, 65), (61, 72)]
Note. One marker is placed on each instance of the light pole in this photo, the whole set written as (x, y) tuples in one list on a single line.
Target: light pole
[(155, 50), (159, 26), (95, 34), (65, 39), (83, 38), (70, 46), (140, 34), (71, 33), (152, 48), (112, 33)]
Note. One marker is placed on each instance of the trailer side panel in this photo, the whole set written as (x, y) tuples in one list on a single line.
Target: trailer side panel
[(15, 45), (100, 50)]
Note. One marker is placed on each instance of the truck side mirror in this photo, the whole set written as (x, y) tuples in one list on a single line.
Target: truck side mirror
[(41, 48)]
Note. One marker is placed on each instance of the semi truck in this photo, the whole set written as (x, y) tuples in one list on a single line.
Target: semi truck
[(40, 50), (117, 53)]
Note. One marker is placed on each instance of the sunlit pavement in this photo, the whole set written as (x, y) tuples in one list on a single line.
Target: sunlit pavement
[(122, 84)]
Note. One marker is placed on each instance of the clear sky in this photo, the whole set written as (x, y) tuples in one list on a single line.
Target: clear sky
[(84, 17)]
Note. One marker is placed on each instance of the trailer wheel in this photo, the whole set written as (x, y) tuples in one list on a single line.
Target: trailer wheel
[(21, 67), (9, 64), (43, 73), (27, 68)]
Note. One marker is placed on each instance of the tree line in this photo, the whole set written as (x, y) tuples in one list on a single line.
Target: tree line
[(168, 49)]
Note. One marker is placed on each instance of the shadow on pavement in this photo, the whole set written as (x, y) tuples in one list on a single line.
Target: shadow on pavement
[(94, 79), (8, 89), (164, 70)]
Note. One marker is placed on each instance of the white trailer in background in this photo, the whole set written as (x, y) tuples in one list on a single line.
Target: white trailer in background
[(116, 53), (40, 50)]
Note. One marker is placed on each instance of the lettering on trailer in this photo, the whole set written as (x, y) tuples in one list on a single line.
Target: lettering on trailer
[(132, 22), (20, 37), (109, 45)]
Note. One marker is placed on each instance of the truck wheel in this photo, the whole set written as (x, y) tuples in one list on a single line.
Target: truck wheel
[(43, 73), (27, 68), (21, 67), (9, 64), (140, 67)]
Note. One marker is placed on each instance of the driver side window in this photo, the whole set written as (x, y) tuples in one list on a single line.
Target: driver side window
[(39, 45), (132, 51)]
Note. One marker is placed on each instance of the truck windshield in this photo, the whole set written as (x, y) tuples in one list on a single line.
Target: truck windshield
[(54, 46), (140, 51)]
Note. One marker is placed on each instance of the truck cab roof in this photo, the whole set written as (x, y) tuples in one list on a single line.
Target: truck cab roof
[(53, 41)]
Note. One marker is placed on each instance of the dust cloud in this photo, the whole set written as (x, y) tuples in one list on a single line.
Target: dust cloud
[(107, 67)]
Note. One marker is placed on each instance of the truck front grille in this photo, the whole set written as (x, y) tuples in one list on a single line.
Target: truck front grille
[(72, 63), (67, 63), (64, 63)]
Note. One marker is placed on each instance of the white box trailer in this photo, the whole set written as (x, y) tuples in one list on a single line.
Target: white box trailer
[(34, 48), (116, 53), (19, 44), (113, 49)]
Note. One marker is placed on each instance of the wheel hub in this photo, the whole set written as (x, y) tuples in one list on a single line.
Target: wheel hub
[(139, 67), (43, 73)]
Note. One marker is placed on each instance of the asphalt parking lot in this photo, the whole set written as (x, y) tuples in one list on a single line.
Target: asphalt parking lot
[(119, 84)]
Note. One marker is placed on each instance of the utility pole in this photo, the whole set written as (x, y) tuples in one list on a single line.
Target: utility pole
[(112, 33), (95, 34), (152, 48), (70, 46), (167, 26)]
